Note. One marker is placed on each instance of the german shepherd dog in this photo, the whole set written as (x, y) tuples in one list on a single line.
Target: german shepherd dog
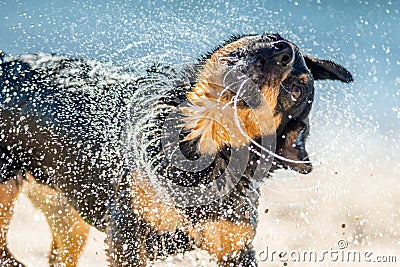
[(163, 163)]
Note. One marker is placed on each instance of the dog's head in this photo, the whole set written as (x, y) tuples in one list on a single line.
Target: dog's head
[(272, 95)]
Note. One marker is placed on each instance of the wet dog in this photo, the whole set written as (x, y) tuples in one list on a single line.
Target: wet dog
[(163, 163)]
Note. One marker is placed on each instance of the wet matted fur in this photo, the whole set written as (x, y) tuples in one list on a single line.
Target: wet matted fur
[(163, 163)]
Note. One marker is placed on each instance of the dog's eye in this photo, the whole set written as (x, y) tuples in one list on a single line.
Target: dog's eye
[(296, 92)]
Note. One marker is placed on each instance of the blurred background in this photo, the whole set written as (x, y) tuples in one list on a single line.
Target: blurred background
[(353, 194)]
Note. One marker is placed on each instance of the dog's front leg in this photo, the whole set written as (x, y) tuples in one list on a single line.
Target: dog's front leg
[(125, 231), (230, 242), (245, 257), (68, 230), (8, 194)]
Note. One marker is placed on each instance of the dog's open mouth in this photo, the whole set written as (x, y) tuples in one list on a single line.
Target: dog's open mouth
[(291, 146)]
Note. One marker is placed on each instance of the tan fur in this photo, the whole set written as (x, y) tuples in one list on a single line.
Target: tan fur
[(304, 78), (146, 203), (222, 238), (69, 231), (214, 120), (8, 194)]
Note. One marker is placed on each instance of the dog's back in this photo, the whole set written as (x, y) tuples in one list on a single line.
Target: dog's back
[(74, 108)]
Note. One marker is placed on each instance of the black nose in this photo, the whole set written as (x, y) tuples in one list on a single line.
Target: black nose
[(283, 52), (280, 51)]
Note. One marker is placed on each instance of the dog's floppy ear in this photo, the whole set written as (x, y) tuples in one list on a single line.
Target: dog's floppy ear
[(326, 69)]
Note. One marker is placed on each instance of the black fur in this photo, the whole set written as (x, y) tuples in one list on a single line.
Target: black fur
[(64, 126)]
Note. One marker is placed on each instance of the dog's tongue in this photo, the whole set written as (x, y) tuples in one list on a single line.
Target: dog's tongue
[(291, 145)]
